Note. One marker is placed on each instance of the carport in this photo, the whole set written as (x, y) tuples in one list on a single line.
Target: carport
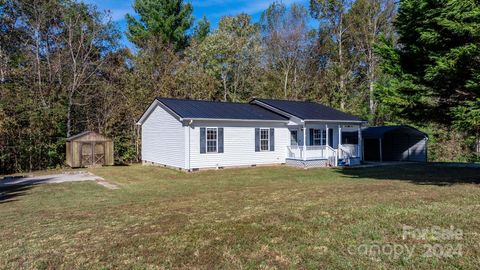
[(394, 143)]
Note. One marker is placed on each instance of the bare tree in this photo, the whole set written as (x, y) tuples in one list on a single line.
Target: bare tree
[(371, 19), (286, 37), (86, 37), (331, 15)]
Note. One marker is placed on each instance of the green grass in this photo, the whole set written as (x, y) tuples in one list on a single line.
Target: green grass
[(267, 218)]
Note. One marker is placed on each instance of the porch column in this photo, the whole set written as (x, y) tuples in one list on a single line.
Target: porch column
[(360, 143), (339, 135), (304, 143), (326, 134)]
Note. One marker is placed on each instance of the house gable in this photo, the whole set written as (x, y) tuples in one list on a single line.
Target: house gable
[(163, 137)]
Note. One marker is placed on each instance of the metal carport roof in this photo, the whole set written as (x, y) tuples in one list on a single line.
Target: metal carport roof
[(380, 131)]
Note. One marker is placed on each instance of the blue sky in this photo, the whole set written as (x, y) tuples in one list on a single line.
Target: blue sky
[(213, 9)]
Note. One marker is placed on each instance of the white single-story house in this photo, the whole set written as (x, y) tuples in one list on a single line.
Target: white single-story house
[(193, 134)]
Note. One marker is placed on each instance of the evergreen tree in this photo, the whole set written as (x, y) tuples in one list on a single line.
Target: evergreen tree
[(436, 63), (202, 29), (434, 71), (166, 20)]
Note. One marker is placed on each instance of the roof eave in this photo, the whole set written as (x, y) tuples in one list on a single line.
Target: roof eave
[(152, 107), (73, 137), (337, 121), (233, 119)]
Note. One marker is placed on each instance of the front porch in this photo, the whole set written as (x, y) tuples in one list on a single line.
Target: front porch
[(324, 145)]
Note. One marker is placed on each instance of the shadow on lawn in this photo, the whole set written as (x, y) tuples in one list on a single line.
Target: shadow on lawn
[(12, 193), (421, 174), (13, 187)]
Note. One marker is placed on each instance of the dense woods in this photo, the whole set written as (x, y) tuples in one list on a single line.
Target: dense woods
[(63, 69)]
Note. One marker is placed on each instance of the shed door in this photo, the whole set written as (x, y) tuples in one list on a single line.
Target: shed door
[(86, 154), (99, 154)]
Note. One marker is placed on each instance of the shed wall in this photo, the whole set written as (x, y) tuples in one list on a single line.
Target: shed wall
[(68, 154), (75, 154), (109, 159)]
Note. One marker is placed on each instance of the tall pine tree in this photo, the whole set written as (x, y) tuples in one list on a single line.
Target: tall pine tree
[(437, 61), (166, 20)]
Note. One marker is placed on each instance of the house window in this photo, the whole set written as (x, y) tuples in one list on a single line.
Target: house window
[(212, 140), (264, 139), (317, 137), (293, 137)]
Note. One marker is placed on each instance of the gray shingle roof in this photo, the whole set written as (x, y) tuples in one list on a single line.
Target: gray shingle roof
[(309, 110), (199, 109)]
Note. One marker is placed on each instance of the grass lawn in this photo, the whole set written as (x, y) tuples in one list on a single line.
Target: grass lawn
[(275, 217)]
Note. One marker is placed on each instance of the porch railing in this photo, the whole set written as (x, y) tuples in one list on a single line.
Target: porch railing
[(323, 152), (312, 152), (348, 150)]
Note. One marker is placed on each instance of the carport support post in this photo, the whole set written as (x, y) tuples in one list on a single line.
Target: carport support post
[(381, 152), (359, 146)]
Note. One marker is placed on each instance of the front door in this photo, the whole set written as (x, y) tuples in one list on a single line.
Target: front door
[(330, 137), (86, 154)]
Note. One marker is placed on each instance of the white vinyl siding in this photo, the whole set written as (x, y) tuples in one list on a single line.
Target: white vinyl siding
[(163, 139), (239, 145)]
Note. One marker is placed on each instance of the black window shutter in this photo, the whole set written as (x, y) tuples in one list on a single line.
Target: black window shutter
[(220, 140), (202, 141), (311, 136), (257, 140), (272, 139)]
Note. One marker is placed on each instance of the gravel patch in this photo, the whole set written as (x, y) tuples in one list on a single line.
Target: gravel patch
[(80, 176)]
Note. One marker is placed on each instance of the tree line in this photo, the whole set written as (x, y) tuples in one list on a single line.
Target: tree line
[(63, 69)]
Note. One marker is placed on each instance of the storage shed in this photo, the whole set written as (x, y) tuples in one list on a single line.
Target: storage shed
[(89, 149), (394, 143)]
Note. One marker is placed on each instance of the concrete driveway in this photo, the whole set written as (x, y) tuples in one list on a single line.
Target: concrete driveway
[(55, 179)]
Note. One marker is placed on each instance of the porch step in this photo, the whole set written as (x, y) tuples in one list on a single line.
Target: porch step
[(353, 161)]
